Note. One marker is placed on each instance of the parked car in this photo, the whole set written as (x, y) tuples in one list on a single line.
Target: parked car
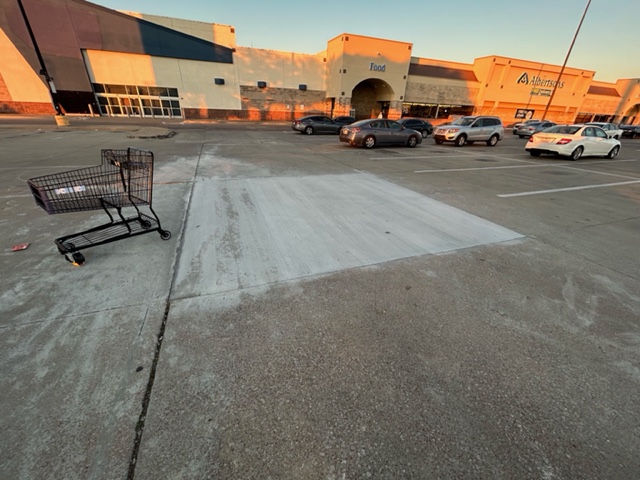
[(526, 130), (469, 130), (526, 122), (417, 124), (573, 141), (379, 131), (631, 131), (316, 124), (344, 120), (613, 131)]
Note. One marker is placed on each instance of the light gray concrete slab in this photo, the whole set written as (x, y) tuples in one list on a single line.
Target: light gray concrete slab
[(256, 231)]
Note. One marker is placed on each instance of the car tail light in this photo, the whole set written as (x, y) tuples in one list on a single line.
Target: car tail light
[(355, 129), (531, 129), (563, 141), (531, 139)]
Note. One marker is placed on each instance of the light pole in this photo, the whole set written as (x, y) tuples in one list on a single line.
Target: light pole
[(566, 59), (43, 68)]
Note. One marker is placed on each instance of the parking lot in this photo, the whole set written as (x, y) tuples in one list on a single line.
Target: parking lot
[(323, 311)]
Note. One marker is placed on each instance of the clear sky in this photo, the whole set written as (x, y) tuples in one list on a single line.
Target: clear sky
[(455, 30)]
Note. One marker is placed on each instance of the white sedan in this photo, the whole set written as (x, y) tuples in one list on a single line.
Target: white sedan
[(613, 130), (573, 141)]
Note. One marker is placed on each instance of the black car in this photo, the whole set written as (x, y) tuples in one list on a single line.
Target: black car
[(344, 120), (417, 124), (316, 124), (631, 131)]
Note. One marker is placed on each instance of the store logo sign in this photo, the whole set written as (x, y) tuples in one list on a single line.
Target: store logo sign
[(377, 68), (538, 81)]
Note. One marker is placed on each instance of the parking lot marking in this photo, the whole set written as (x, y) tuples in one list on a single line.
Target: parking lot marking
[(567, 189), (531, 164), (599, 173), (478, 168)]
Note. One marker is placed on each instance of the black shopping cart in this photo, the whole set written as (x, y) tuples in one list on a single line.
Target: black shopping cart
[(125, 179)]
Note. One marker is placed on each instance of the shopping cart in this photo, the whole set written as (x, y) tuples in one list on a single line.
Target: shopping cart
[(125, 179)]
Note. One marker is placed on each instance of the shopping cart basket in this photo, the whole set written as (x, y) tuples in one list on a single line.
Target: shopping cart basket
[(125, 179)]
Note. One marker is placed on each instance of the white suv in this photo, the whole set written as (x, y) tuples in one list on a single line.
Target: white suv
[(469, 130)]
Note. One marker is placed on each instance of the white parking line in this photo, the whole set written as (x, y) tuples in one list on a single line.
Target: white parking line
[(478, 168), (568, 189), (562, 165), (600, 173)]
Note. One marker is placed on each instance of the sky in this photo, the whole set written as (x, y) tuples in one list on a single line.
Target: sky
[(456, 30)]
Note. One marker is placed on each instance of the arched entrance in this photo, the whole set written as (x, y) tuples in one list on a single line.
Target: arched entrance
[(631, 115), (371, 97)]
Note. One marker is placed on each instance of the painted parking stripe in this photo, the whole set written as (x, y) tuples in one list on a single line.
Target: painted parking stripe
[(600, 173), (531, 165), (568, 189)]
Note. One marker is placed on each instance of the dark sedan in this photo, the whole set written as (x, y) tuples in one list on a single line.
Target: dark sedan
[(631, 131), (417, 124), (316, 124), (531, 128), (344, 120), (373, 132)]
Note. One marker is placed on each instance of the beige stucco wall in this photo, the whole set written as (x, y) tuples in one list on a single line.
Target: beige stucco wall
[(212, 32), (629, 89), (498, 78), (22, 83), (193, 79), (279, 69), (356, 54), (440, 91)]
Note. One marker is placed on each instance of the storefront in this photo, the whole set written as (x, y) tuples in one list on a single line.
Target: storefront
[(131, 64)]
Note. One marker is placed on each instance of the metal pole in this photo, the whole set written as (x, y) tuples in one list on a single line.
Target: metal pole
[(43, 68), (553, 92)]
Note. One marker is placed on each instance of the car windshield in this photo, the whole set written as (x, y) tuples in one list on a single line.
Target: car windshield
[(463, 121), (566, 129)]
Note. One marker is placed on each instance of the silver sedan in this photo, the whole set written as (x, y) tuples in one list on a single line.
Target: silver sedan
[(373, 132)]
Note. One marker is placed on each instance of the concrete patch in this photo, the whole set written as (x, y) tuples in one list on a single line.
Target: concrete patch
[(249, 232)]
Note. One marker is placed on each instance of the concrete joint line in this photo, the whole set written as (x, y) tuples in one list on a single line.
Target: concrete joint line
[(147, 396), (156, 357)]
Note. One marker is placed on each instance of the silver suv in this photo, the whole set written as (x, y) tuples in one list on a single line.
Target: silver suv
[(469, 130)]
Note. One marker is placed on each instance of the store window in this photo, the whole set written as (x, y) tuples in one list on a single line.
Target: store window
[(432, 110), (138, 101)]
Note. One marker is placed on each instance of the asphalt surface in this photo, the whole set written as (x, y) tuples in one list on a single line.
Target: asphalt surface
[(322, 311)]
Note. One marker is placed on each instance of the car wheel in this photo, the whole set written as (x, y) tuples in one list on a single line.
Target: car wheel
[(369, 142), (577, 153), (412, 142), (308, 130), (424, 134), (614, 151), (493, 141), (521, 136), (460, 141), (438, 142), (534, 153)]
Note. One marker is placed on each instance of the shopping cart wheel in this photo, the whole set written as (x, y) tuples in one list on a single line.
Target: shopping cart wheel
[(76, 259), (146, 224), (165, 234)]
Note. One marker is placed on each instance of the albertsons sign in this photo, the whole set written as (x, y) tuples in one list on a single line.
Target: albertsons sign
[(538, 81)]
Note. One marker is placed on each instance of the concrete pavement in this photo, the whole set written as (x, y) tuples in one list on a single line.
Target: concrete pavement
[(322, 312)]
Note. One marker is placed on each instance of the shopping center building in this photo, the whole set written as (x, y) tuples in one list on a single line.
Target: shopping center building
[(87, 59)]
